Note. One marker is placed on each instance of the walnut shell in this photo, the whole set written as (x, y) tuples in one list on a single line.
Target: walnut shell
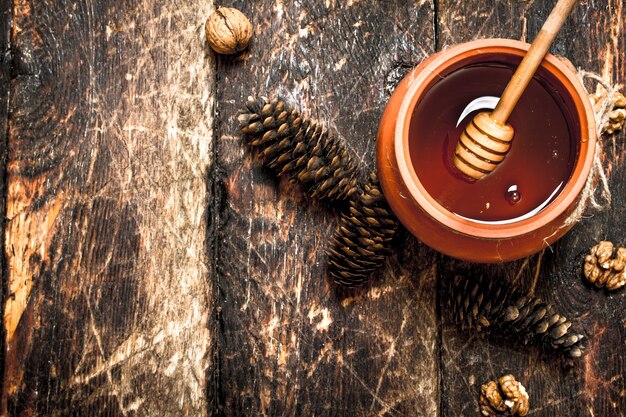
[(505, 397), (602, 270), (228, 31)]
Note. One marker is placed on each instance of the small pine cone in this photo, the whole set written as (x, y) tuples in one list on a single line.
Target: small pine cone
[(602, 270), (474, 303), (507, 397), (533, 320), (493, 303), (300, 148), (363, 237)]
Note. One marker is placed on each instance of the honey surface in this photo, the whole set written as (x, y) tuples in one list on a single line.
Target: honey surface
[(534, 171)]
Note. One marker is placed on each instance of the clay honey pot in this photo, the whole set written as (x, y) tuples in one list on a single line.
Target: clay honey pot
[(406, 184)]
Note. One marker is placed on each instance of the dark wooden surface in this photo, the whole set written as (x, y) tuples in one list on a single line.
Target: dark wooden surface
[(291, 343), (593, 39), (152, 267), (108, 296), (6, 19)]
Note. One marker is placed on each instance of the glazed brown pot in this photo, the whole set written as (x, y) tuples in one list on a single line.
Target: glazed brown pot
[(431, 222)]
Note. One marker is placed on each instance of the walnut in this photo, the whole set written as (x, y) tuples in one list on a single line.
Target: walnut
[(597, 97), (616, 120), (228, 31), (491, 399), (618, 111), (602, 270), (506, 397)]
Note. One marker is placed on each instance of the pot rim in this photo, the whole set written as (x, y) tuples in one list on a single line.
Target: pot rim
[(566, 198)]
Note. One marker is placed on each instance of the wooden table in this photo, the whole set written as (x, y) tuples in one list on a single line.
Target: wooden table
[(151, 267)]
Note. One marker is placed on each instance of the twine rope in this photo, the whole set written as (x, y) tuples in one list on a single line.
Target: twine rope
[(596, 192)]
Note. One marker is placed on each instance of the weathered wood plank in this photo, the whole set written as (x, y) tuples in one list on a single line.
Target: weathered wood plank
[(109, 141), (291, 343), (591, 39), (113, 265), (6, 22)]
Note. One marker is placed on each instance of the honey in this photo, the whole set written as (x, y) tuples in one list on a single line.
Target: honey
[(535, 170)]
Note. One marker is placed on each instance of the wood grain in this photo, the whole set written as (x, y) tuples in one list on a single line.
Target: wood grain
[(6, 22), (591, 39), (152, 267), (291, 343), (532, 59), (108, 147)]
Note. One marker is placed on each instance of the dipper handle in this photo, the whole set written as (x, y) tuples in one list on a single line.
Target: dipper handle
[(487, 138), (532, 60)]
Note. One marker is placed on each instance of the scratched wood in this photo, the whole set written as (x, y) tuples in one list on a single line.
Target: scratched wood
[(110, 133), (6, 20), (593, 39), (152, 267), (292, 343)]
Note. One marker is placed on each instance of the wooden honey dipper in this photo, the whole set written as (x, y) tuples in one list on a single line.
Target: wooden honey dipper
[(487, 138)]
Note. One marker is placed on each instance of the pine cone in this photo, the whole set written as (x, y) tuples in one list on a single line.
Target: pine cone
[(363, 237), (299, 148), (601, 270), (475, 303), (507, 397), (533, 320), (493, 303)]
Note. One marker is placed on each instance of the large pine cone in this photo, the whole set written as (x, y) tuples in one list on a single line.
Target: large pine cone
[(299, 148), (493, 304), (363, 237)]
